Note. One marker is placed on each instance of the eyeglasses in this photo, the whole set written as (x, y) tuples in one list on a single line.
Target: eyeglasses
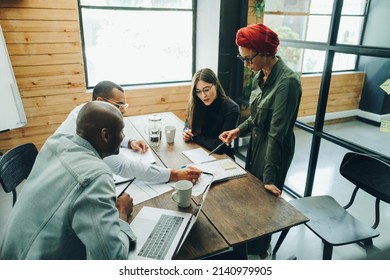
[(120, 106), (246, 59), (205, 90)]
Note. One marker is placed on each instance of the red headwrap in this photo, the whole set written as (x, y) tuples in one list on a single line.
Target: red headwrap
[(259, 38)]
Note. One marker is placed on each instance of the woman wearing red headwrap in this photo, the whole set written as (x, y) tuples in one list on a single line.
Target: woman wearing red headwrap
[(274, 103)]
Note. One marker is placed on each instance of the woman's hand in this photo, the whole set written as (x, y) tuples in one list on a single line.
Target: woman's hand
[(187, 135), (273, 189), (228, 136)]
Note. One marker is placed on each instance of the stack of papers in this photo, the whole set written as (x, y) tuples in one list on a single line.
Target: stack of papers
[(221, 170)]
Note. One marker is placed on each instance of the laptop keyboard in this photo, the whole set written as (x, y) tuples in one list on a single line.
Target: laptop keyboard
[(160, 239)]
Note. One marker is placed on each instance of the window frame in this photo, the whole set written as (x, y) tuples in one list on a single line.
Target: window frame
[(321, 46), (101, 7)]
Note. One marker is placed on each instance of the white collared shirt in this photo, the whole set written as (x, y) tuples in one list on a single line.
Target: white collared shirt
[(120, 164)]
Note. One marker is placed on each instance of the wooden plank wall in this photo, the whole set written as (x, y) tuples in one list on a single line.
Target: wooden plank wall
[(43, 40), (344, 93), (44, 44)]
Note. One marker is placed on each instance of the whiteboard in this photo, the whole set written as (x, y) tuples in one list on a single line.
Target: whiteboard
[(11, 108)]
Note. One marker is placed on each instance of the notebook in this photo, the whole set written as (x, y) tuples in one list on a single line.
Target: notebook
[(223, 169), (160, 232), (198, 155)]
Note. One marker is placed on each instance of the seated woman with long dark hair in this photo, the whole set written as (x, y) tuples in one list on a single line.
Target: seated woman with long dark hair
[(209, 112)]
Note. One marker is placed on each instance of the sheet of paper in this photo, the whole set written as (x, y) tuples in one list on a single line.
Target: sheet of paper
[(201, 185), (386, 86), (198, 155), (142, 191), (385, 126), (147, 157)]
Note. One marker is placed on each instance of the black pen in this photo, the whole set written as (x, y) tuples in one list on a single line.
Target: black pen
[(131, 181), (219, 146)]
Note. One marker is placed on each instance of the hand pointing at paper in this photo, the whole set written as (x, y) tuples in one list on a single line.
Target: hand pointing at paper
[(228, 136)]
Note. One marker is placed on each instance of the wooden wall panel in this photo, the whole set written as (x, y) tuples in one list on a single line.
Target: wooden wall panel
[(43, 41)]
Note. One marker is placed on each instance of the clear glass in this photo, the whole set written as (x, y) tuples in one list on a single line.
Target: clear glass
[(177, 4), (292, 57), (321, 7), (287, 27), (328, 179), (313, 61), (318, 29), (357, 105), (303, 28), (350, 30), (135, 47), (297, 173), (354, 7), (301, 6), (344, 62)]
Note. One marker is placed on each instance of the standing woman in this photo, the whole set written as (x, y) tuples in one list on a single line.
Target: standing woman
[(274, 103), (209, 112)]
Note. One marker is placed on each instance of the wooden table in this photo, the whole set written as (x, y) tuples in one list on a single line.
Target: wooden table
[(235, 211)]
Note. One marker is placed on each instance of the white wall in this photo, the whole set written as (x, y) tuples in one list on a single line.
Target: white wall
[(207, 34)]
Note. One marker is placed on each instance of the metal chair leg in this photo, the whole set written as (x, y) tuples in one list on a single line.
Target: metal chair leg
[(280, 240), (328, 250)]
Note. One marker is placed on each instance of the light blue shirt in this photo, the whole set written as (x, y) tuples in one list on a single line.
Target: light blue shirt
[(66, 209)]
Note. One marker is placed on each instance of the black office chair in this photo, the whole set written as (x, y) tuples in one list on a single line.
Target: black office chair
[(15, 166), (330, 221)]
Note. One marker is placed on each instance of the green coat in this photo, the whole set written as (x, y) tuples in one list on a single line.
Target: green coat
[(273, 112)]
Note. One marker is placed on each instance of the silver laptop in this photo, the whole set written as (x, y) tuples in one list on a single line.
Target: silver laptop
[(160, 232)]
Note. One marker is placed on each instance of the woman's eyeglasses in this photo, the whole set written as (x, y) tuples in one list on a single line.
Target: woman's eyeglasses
[(248, 60), (205, 90)]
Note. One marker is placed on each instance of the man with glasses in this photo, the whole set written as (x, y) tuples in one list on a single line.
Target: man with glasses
[(121, 165)]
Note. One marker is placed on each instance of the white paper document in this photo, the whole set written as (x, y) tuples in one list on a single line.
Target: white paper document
[(198, 155), (142, 191)]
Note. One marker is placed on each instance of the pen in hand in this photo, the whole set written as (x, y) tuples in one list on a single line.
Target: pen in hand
[(131, 181), (219, 146)]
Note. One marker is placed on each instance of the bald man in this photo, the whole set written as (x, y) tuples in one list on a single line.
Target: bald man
[(68, 207)]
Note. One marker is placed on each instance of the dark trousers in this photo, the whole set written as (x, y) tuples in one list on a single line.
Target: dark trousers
[(259, 246)]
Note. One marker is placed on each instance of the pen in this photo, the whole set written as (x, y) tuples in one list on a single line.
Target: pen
[(131, 181), (219, 146)]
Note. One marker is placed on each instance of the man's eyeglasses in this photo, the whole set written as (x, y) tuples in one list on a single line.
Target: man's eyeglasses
[(205, 90), (248, 60), (120, 106)]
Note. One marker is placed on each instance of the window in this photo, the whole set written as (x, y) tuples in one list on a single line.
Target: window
[(309, 21), (137, 42)]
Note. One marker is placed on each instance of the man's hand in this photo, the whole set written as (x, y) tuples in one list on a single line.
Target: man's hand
[(124, 204), (190, 173), (139, 146)]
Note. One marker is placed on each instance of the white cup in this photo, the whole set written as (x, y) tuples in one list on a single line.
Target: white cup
[(182, 194), (170, 131)]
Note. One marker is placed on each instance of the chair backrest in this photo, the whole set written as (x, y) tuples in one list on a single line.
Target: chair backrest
[(367, 173), (16, 165)]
